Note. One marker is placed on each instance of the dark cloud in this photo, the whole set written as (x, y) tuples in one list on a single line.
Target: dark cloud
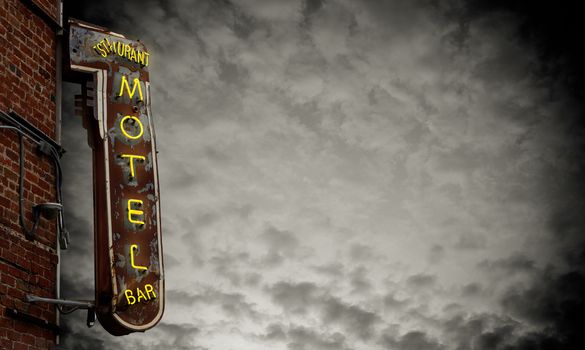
[(333, 269), (229, 265), (470, 241), (436, 254), (231, 73), (415, 340), (361, 252), (401, 18), (471, 290), (463, 331), (299, 298), (359, 281), (512, 264), (168, 336), (551, 29), (283, 242), (301, 338), (205, 219), (391, 302), (492, 332), (171, 261), (183, 177), (308, 113), (555, 303), (310, 7), (281, 245), (181, 297), (234, 305), (177, 336), (275, 332), (81, 340), (355, 319), (76, 335), (294, 297), (75, 286), (421, 281), (252, 279), (243, 24)]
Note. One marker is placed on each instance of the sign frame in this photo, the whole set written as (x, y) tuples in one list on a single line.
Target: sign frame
[(123, 256)]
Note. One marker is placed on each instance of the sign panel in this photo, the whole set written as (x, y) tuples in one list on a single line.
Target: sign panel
[(128, 247)]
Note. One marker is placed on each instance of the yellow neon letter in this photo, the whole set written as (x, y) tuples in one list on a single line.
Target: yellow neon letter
[(132, 247), (120, 47), (134, 211), (130, 93), (124, 130), (132, 157), (140, 57), (140, 294), (100, 50), (148, 289), (129, 297), (110, 46)]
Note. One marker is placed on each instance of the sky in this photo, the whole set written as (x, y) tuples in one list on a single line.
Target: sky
[(351, 175)]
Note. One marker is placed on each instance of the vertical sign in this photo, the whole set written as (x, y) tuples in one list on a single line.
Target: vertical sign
[(128, 249)]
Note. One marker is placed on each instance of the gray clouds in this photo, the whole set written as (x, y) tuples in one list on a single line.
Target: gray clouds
[(305, 298), (340, 174)]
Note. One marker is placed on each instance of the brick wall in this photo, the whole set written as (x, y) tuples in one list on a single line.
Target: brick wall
[(27, 86)]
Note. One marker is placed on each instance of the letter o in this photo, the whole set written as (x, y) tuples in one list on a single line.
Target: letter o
[(127, 134)]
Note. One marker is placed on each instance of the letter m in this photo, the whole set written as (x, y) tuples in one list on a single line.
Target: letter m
[(131, 93)]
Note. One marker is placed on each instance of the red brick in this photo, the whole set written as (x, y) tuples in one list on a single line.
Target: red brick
[(7, 279), (20, 346), (4, 202), (5, 344), (41, 343), (16, 293), (18, 250), (28, 339), (27, 80), (14, 335), (4, 243)]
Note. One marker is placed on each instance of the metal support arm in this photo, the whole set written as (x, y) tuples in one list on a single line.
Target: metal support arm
[(71, 304), (80, 304)]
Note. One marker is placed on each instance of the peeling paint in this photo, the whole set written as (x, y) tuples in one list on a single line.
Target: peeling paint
[(128, 203)]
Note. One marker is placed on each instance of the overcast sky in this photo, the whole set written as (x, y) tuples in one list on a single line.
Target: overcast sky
[(348, 175)]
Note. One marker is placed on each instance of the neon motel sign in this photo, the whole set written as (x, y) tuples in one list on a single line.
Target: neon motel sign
[(129, 274)]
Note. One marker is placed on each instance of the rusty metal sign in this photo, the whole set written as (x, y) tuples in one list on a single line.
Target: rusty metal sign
[(128, 248)]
